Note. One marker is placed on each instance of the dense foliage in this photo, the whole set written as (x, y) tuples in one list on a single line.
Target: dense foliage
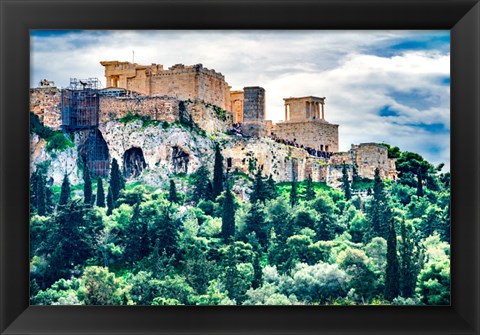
[(287, 244)]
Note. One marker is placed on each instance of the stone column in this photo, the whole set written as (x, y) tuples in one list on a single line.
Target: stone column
[(323, 111), (286, 115)]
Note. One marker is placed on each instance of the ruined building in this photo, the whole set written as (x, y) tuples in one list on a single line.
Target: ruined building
[(305, 124), (179, 81), (303, 144)]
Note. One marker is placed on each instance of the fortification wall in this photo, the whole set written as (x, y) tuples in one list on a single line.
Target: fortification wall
[(281, 161), (156, 108), (179, 81), (45, 103), (316, 134), (369, 156), (165, 109)]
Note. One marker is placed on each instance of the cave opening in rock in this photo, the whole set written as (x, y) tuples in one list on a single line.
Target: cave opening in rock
[(133, 162), (180, 160)]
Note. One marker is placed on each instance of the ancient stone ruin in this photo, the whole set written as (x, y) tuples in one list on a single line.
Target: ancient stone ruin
[(303, 144)]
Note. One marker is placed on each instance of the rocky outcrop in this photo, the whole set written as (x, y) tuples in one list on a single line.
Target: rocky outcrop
[(59, 162), (166, 149)]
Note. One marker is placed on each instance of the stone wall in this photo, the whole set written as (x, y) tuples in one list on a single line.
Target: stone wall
[(253, 104), (179, 81), (369, 156), (316, 134), (157, 108), (207, 118), (165, 109), (45, 103), (281, 161)]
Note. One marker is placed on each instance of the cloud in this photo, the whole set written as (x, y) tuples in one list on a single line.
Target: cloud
[(381, 86)]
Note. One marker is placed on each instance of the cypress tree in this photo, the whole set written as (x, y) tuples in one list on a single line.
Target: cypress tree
[(217, 173), (378, 212), (87, 185), (309, 191), (33, 191), (346, 183), (407, 263), (228, 216), (257, 272), (255, 222), (392, 284), (293, 194), (167, 234), (270, 188), (419, 183), (41, 194), (100, 193), (137, 238), (117, 183), (172, 193), (202, 187), (232, 276), (109, 201), (258, 188), (65, 191)]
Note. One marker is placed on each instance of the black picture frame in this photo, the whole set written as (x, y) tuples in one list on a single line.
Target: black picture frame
[(462, 17)]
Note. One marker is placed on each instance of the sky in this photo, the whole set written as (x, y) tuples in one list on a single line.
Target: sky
[(380, 86)]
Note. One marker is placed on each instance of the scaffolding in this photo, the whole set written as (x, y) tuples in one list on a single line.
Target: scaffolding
[(80, 104)]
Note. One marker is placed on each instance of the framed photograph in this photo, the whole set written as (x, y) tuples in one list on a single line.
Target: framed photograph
[(266, 168)]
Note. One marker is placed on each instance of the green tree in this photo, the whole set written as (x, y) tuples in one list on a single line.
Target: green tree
[(40, 192), (228, 216), (201, 185), (110, 202), (434, 282), (270, 189), (326, 226), (309, 191), (408, 269), (362, 278), (420, 192), (172, 193), (100, 287), (87, 185), (136, 237), (258, 192), (65, 191), (69, 241), (411, 165), (117, 183), (198, 270), (293, 194), (255, 223), (217, 172), (168, 230), (392, 282), (100, 193), (346, 183), (378, 212)]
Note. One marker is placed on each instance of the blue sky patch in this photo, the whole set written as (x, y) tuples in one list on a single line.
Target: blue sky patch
[(420, 99), (387, 111), (436, 40), (434, 128)]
